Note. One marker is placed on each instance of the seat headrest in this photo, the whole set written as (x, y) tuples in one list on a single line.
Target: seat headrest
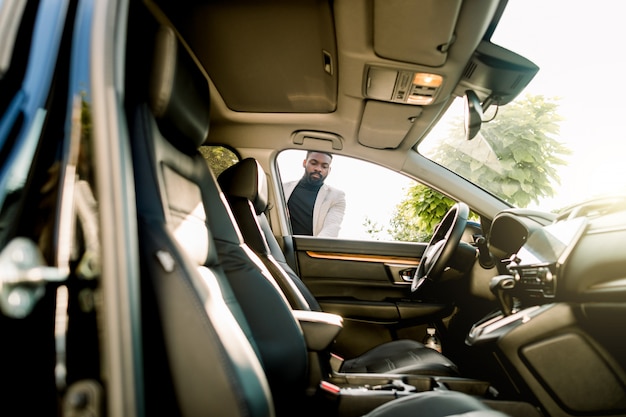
[(246, 179), (179, 93)]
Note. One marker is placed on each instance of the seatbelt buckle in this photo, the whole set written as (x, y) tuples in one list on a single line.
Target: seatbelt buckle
[(329, 398), (330, 388), (335, 362)]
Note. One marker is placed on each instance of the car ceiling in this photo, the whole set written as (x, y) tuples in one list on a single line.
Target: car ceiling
[(320, 74)]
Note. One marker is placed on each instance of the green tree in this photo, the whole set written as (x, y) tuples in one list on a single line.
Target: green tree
[(416, 216), (515, 156), (219, 158)]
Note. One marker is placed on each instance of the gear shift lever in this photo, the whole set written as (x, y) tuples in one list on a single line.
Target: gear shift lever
[(501, 286)]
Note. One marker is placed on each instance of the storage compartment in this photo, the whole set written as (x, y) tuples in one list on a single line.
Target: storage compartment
[(577, 374), (550, 356)]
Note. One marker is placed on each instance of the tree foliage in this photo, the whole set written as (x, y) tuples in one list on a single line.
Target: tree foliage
[(515, 156), (219, 158), (416, 216)]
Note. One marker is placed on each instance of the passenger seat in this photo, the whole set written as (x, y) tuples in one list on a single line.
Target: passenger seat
[(245, 186)]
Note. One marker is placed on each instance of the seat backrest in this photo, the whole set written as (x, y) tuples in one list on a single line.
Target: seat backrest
[(239, 333), (245, 186)]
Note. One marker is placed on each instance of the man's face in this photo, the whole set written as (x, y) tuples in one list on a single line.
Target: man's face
[(316, 167)]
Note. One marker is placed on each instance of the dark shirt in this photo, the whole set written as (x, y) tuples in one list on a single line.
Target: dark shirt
[(300, 204)]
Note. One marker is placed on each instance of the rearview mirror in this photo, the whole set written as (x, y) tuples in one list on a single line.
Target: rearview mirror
[(473, 114)]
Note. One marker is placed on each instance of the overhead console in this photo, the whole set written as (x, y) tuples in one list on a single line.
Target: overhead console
[(495, 74), (402, 86)]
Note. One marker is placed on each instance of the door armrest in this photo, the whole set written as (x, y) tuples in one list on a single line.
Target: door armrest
[(320, 329)]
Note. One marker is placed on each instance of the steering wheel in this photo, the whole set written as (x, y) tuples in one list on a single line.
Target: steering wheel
[(442, 245)]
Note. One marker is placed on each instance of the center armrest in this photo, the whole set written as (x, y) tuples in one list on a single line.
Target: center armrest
[(320, 329)]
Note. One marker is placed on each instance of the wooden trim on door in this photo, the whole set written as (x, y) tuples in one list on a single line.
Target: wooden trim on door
[(363, 258)]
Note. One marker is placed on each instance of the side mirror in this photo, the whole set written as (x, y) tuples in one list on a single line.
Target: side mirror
[(473, 114)]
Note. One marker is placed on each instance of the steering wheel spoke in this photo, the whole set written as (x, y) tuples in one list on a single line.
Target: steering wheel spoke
[(442, 246)]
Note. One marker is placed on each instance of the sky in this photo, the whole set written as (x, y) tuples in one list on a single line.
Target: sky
[(568, 39)]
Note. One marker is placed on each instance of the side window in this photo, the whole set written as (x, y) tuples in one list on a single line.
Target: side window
[(218, 157), (380, 204)]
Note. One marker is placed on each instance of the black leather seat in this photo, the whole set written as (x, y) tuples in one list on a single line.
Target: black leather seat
[(199, 354), (218, 340), (245, 186)]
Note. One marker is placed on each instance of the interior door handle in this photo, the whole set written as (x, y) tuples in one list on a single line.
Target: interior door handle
[(407, 274)]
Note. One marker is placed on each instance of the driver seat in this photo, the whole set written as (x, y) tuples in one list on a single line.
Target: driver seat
[(245, 187)]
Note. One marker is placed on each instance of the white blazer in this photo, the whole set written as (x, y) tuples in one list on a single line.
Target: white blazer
[(329, 209)]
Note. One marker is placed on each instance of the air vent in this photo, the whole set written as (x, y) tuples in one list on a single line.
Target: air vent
[(469, 70), (516, 82)]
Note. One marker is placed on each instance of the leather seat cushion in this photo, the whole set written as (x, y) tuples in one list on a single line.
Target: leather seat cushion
[(436, 404), (401, 356)]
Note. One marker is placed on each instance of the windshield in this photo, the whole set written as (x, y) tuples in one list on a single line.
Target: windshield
[(561, 140)]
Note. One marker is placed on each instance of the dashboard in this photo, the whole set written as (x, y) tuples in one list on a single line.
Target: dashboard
[(568, 277), (579, 257)]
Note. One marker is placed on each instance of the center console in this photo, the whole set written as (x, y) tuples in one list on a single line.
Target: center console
[(494, 326), (536, 342), (356, 394), (352, 395)]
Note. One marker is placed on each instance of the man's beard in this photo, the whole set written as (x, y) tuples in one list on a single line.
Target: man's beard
[(314, 180)]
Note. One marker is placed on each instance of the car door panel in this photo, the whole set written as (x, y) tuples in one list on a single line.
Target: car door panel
[(366, 283), (363, 270)]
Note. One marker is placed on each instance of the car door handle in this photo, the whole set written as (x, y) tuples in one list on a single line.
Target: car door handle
[(24, 277), (407, 274)]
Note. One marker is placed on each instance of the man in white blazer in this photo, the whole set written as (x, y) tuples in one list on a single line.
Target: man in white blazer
[(315, 208)]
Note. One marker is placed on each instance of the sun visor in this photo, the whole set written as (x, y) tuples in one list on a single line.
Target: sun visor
[(385, 125), (418, 32)]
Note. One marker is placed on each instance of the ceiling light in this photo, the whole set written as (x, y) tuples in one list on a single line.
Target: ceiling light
[(427, 80)]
